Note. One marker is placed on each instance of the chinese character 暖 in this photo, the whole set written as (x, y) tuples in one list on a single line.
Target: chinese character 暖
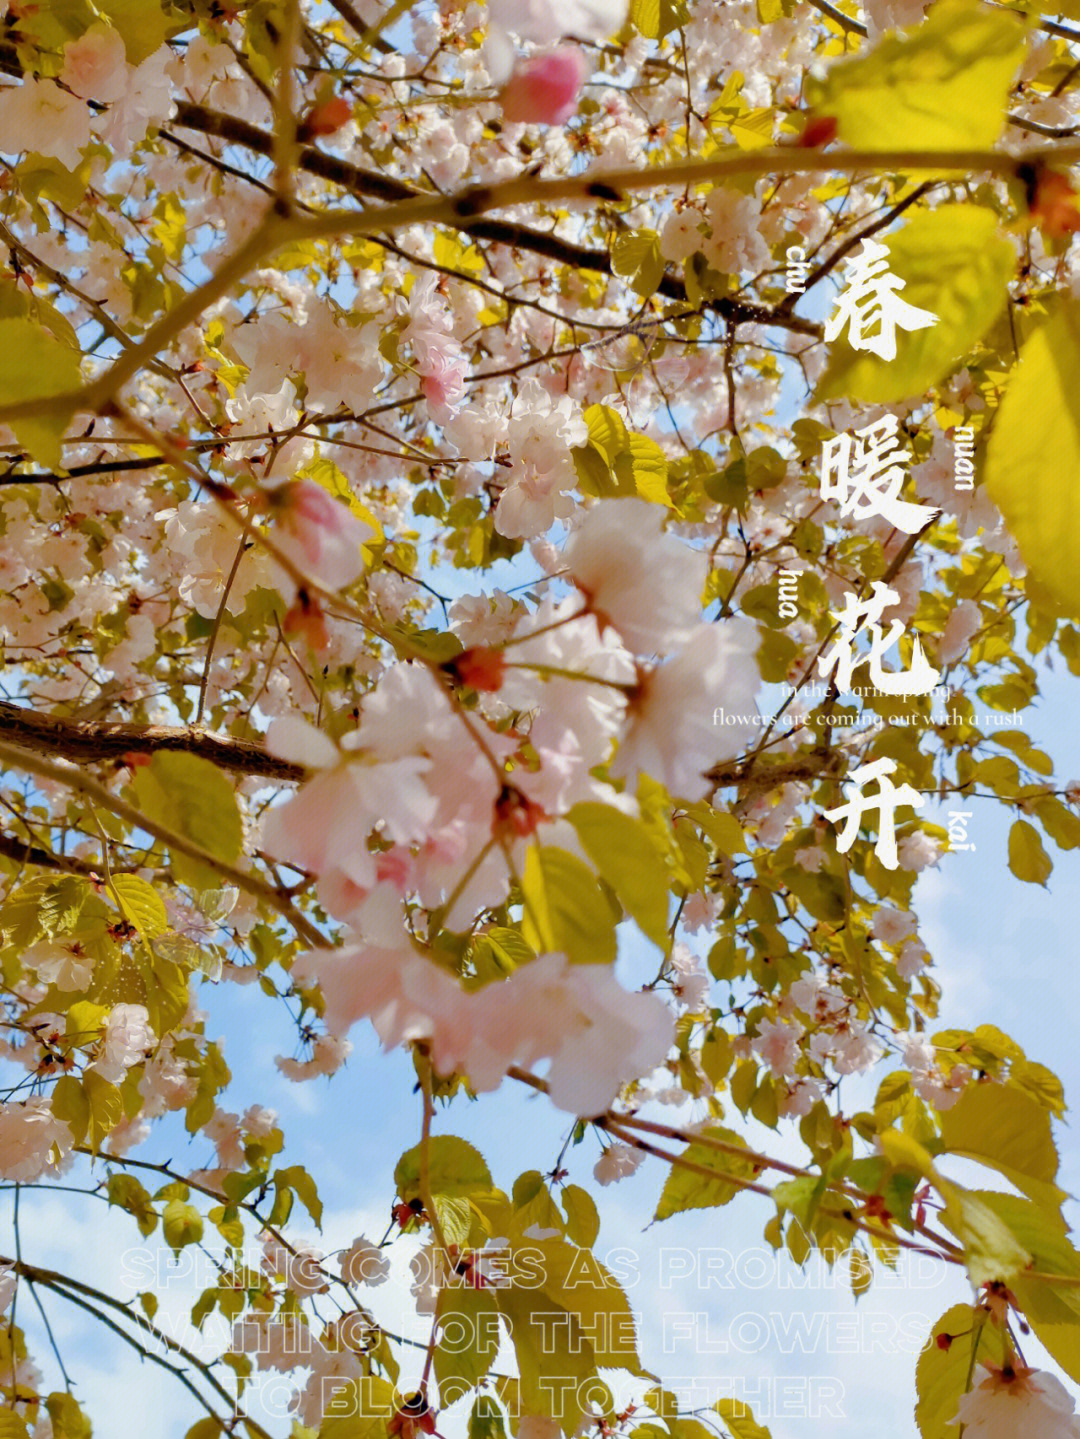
[(865, 472)]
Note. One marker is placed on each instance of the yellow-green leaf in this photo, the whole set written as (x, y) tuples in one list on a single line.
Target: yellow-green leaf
[(1027, 858), (193, 797), (564, 908), (105, 1107), (627, 856), (182, 1224), (34, 365), (1035, 442), (940, 85), (142, 904), (1006, 1128), (992, 1253), (688, 1189)]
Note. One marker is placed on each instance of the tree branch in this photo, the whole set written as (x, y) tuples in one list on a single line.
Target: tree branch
[(362, 182), (82, 783), (87, 741)]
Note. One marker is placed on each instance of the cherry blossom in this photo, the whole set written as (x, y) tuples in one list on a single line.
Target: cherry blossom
[(46, 119), (1005, 1402), (778, 1045), (634, 576), (128, 1040), (618, 1161), (365, 1263), (578, 1016), (29, 1138), (543, 90), (672, 732), (320, 533), (95, 65)]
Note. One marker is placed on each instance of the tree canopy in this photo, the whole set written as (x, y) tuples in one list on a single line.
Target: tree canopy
[(486, 493)]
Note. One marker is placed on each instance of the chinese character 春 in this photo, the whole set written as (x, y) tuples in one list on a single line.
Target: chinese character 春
[(858, 616), (870, 306), (886, 801), (865, 472)]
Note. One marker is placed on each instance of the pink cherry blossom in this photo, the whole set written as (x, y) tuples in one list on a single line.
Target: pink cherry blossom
[(618, 1161), (672, 733), (892, 925), (365, 1263), (95, 65), (39, 116), (547, 20), (29, 1134), (636, 577), (443, 369), (778, 1045), (1018, 1400), (543, 90), (596, 1035), (320, 533), (128, 1040)]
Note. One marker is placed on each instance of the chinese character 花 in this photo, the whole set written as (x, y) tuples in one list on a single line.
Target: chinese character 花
[(858, 616)]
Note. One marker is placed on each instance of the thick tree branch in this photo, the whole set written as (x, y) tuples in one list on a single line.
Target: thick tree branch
[(86, 741), (81, 783), (363, 182)]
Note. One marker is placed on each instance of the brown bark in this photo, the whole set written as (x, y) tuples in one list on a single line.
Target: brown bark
[(88, 742), (360, 181)]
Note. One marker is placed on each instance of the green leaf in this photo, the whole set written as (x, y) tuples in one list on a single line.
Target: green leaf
[(105, 1107), (629, 858), (956, 264), (11, 1425), (992, 1252), (142, 24), (182, 1224), (657, 18), (205, 1429), (1053, 1311), (636, 255), (649, 470), (455, 1170), (686, 1189), (941, 1375), (127, 1192), (1034, 442), (575, 1280), (1027, 858), (739, 1421), (564, 908), (68, 1420), (940, 85), (141, 904), (548, 1344), (468, 1340), (1007, 1129), (301, 1183), (486, 1419), (34, 365), (582, 1219), (191, 796), (359, 1410)]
